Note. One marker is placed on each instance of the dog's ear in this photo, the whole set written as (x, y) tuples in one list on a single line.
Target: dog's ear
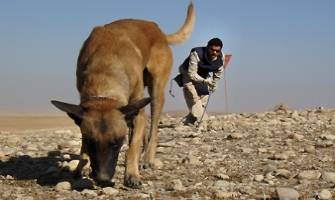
[(75, 112), (133, 108)]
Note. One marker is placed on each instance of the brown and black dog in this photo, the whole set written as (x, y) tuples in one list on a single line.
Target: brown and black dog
[(115, 63)]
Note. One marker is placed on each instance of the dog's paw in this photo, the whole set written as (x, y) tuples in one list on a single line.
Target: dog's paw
[(156, 164), (133, 182)]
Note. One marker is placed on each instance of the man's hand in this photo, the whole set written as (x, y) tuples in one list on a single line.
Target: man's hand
[(212, 88), (209, 82)]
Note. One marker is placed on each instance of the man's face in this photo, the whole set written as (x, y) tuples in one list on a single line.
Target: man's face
[(213, 52)]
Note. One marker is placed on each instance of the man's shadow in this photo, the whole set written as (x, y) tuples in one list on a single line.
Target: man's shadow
[(45, 170)]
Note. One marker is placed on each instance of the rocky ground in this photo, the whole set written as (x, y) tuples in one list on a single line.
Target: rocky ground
[(282, 154)]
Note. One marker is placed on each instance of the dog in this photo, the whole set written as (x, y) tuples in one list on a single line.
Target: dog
[(115, 64)]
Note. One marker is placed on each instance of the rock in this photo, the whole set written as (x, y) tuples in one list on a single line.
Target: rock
[(192, 160), (235, 136), (110, 191), (328, 176), (158, 164), (224, 185), (309, 149), (280, 156), (324, 195), (9, 177), (283, 173), (66, 157), (259, 178), (327, 137), (225, 195), (222, 176), (176, 185), (89, 193), (296, 136), (309, 175), (65, 185), (287, 193)]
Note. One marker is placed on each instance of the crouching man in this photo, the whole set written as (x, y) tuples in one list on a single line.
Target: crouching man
[(201, 71)]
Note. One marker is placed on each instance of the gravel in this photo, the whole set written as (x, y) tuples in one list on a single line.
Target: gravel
[(239, 156)]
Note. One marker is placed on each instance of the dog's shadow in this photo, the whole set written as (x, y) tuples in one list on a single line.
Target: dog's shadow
[(44, 170)]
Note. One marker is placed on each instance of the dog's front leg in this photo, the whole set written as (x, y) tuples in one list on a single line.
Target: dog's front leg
[(83, 167), (132, 176)]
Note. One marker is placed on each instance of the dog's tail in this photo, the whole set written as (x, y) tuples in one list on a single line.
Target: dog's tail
[(185, 31)]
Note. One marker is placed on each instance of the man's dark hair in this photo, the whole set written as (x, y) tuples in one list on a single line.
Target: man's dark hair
[(215, 42)]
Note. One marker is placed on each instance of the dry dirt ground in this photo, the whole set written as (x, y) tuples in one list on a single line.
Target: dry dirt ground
[(282, 154)]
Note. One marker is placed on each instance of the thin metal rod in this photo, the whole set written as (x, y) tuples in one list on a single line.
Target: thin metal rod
[(205, 108), (226, 92)]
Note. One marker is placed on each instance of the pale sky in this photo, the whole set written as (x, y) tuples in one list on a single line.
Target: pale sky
[(283, 51)]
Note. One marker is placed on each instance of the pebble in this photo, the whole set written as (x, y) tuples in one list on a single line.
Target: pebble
[(309, 149), (110, 191), (89, 193), (280, 156), (283, 173), (325, 194), (176, 185), (309, 175), (296, 136), (224, 185), (222, 176), (287, 193), (235, 136), (65, 185), (328, 176), (327, 137), (225, 195), (259, 178)]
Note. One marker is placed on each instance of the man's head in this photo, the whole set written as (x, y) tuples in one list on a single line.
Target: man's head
[(214, 47)]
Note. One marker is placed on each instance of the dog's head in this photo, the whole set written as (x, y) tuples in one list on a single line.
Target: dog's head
[(104, 128)]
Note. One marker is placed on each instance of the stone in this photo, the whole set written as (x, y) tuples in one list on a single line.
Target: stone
[(89, 193), (287, 193), (222, 176), (65, 185), (225, 195), (280, 156), (327, 137), (309, 175), (328, 176), (296, 136), (283, 173), (110, 191), (259, 178), (309, 149), (325, 194), (235, 136)]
